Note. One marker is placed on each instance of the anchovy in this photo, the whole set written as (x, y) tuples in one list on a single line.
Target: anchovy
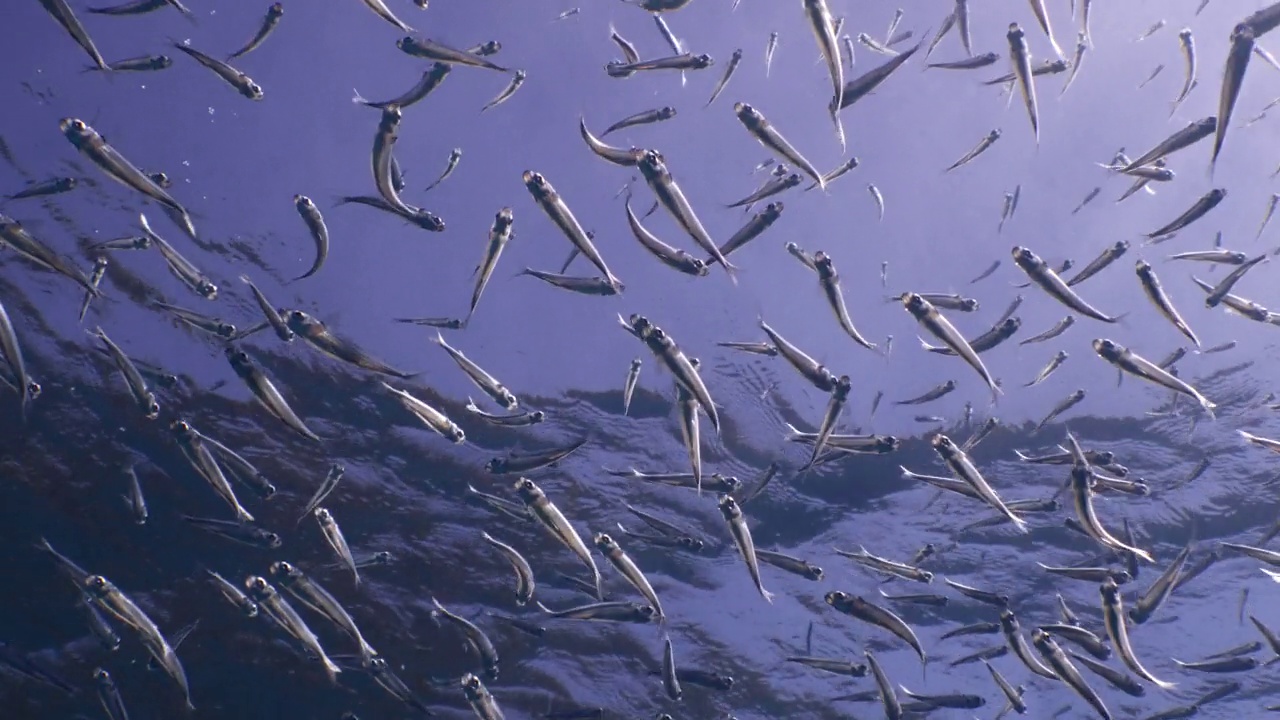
[(524, 573), (245, 533), (629, 52), (430, 80), (1113, 618), (45, 188), (872, 444), (606, 611), (875, 45), (11, 351), (1042, 275), (1082, 497), (110, 161), (1207, 202), (266, 393), (517, 81), (629, 386), (964, 469), (1017, 643), (970, 63), (437, 421), (122, 608), (1120, 680), (331, 478), (771, 187), (1054, 364), (1082, 46), (1067, 403), (938, 325), (617, 156), (142, 395), (742, 538), (1152, 76), (986, 273), (642, 118), (1155, 292), (384, 141), (629, 570), (676, 362), (61, 11), (815, 373), (791, 564), (836, 667), (861, 86), (848, 165), (879, 200), (1060, 327), (884, 565), (1266, 218), (687, 407), (1194, 132), (681, 62), (732, 66), (321, 338), (1020, 57), (1098, 264), (432, 50), (1242, 44), (242, 83), (872, 614), (764, 132), (556, 209), (1065, 671), (931, 395), (582, 285), (455, 157), (829, 282), (424, 219), (479, 377), (550, 517), (278, 609), (769, 49), (826, 32), (670, 256), (337, 541), (754, 227), (1087, 199), (1223, 288), (980, 148), (95, 279)]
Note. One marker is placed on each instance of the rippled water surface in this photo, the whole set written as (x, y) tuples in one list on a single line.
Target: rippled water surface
[(236, 164)]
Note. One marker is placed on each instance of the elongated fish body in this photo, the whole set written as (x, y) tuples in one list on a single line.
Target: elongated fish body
[(430, 80), (12, 352), (835, 405), (276, 607), (629, 386), (875, 45), (61, 11), (1042, 17), (677, 363), (642, 118), (742, 538), (380, 9), (437, 421), (499, 236), (930, 319), (824, 31), (978, 149), (670, 256), (931, 395), (1012, 695), (1012, 631), (1082, 47), (971, 63), (690, 433), (1113, 619), (269, 23), (962, 24), (122, 608), (555, 208), (242, 83), (1238, 55), (729, 69), (241, 469), (1060, 327), (384, 141), (183, 269), (1194, 132), (273, 317), (1136, 365), (1065, 671), (422, 218), (1082, 498), (110, 161), (1048, 370), (861, 86), (764, 132), (432, 50), (479, 376), (1095, 266), (618, 156), (517, 81), (672, 198), (572, 283), (310, 215), (550, 517), (1225, 257), (337, 541), (524, 573), (1118, 679), (758, 223), (203, 462), (1220, 291), (879, 200), (45, 188), (769, 49), (1198, 209), (1156, 294), (1067, 403), (142, 395), (475, 637), (948, 23), (1020, 57), (1043, 276), (455, 157), (682, 62), (811, 369), (628, 569), (315, 596), (99, 271), (318, 336), (872, 614), (829, 282), (480, 699), (964, 469), (771, 187), (995, 265), (1188, 44), (266, 392)]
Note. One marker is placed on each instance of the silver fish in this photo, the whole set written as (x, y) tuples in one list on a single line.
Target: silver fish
[(524, 573), (499, 235), (1082, 46), (875, 45), (273, 317), (431, 417), (618, 156), (1087, 199), (1113, 619), (12, 352), (814, 372), (455, 157), (95, 279), (825, 32), (517, 81), (1238, 55), (1062, 669), (269, 23), (978, 149), (550, 517), (1082, 497), (670, 256), (117, 167), (1266, 218), (835, 405), (1194, 132), (771, 187), (964, 469), (629, 570), (629, 386), (1198, 209), (768, 52), (672, 198), (482, 379), (439, 52), (682, 62), (962, 24), (928, 316), (124, 609), (730, 68), (475, 637), (742, 538), (283, 614), (931, 395), (573, 283), (242, 83), (1155, 292), (384, 141), (142, 395), (1043, 276), (318, 335), (61, 11), (430, 80), (1188, 44), (879, 200), (319, 232), (181, 268), (829, 282), (1067, 403), (1095, 266), (764, 132), (995, 265), (556, 209), (331, 478), (1054, 364), (480, 699), (202, 461), (337, 541), (971, 63), (1042, 17), (687, 406), (676, 362), (1020, 57), (266, 393), (642, 118), (945, 27)]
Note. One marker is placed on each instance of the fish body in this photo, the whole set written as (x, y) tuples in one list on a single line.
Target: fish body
[(142, 395), (829, 282), (573, 283), (629, 570), (872, 614), (977, 150), (282, 613), (1114, 620), (1082, 47), (930, 319), (437, 421), (430, 80), (11, 351), (814, 372), (314, 221), (61, 11), (124, 609), (861, 86), (438, 52), (269, 23), (768, 136), (321, 338), (1065, 671), (1242, 43), (1043, 276), (517, 81), (1198, 209), (550, 517), (1053, 365), (729, 69), (672, 257), (1020, 57), (242, 83), (266, 393), (1098, 264), (825, 32), (1156, 294), (742, 538), (1193, 133), (681, 62), (556, 209), (644, 117), (970, 63)]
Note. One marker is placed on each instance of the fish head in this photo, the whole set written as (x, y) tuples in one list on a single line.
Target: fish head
[(97, 585), (391, 115), (226, 330), (737, 56), (1025, 258), (324, 517), (1216, 195), (272, 540), (605, 543), (646, 612), (1008, 621), (503, 219), (746, 113), (275, 11), (160, 62), (774, 209), (206, 289), (302, 201), (471, 686), (509, 400), (536, 183), (257, 584), (1011, 325), (702, 62), (968, 305), (1042, 640), (843, 385), (1184, 34), (160, 179), (691, 544), (492, 47), (949, 385), (1109, 590), (280, 568), (916, 304), (251, 90), (837, 598), (666, 113), (76, 130), (1120, 577), (1016, 34), (152, 410), (182, 429), (102, 677), (496, 465), (729, 507), (382, 557), (1106, 348), (527, 490), (812, 572), (943, 443), (33, 389), (238, 358)]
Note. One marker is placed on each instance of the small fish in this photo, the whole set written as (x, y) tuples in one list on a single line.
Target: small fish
[(1242, 44), (629, 571), (1194, 132), (1067, 403), (1054, 364), (430, 80), (978, 149), (437, 421), (1223, 288), (873, 614), (1087, 199), (524, 573), (771, 187), (1113, 619), (826, 33), (439, 52), (517, 81), (764, 132), (455, 157), (95, 279), (11, 351), (815, 373), (995, 265), (928, 316), (331, 478), (730, 68), (142, 395), (555, 208), (642, 118), (931, 395), (1155, 292), (242, 83), (550, 517), (672, 257), (269, 23), (768, 52), (971, 63), (875, 45), (245, 533), (337, 542), (189, 274), (45, 188), (266, 393), (1020, 57), (319, 232), (964, 469), (422, 218), (879, 200), (1188, 45), (61, 11), (1043, 276), (681, 62), (864, 84), (573, 283), (1062, 668), (479, 377), (318, 335), (1060, 327), (1082, 47), (568, 14), (281, 612), (1266, 218), (829, 282), (1155, 27), (742, 538), (1082, 496), (1095, 266), (948, 23)]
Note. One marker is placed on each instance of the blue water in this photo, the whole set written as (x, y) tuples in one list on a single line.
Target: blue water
[(236, 165)]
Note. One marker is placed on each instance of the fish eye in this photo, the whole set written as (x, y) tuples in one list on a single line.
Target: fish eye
[(100, 674), (273, 540), (78, 125), (33, 389), (537, 416), (153, 409), (814, 574)]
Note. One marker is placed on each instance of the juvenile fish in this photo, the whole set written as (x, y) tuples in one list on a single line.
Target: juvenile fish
[(980, 148), (1198, 209), (771, 187), (437, 421), (1194, 132), (1098, 264), (970, 63), (769, 49), (818, 375), (278, 609), (879, 200), (1065, 671), (829, 282), (1043, 276), (432, 50), (524, 573), (642, 118), (928, 316), (682, 62), (321, 338), (550, 517), (1242, 44), (573, 283), (963, 468), (142, 395), (1155, 292), (672, 257), (61, 11), (872, 614), (742, 538), (181, 268), (1020, 57), (1053, 365), (555, 208), (764, 132), (758, 223), (1082, 47), (266, 393), (430, 80), (242, 83), (1060, 327), (730, 68), (931, 395), (517, 81)]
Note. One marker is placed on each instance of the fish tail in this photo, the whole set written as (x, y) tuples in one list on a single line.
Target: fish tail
[(359, 99)]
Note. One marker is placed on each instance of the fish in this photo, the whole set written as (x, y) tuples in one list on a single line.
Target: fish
[(769, 49), (1158, 69), (1198, 209), (873, 614), (1042, 17), (814, 372), (430, 80), (582, 285), (455, 157), (687, 407), (1113, 619), (499, 235), (864, 84), (671, 257), (995, 265), (337, 541), (884, 565), (318, 335), (1266, 218), (245, 533), (1188, 45), (940, 327), (673, 42), (753, 228), (681, 62), (618, 156), (384, 141), (479, 377), (1242, 38), (742, 538), (439, 52), (1082, 47), (142, 395), (829, 282), (314, 221), (1098, 264), (437, 421), (1064, 670), (1067, 403), (183, 269), (11, 350), (555, 523), (332, 477), (53, 186), (241, 82), (931, 395), (61, 11), (1043, 276), (1054, 363), (1223, 288), (963, 468), (1060, 327), (99, 270), (642, 118), (629, 570), (945, 27), (524, 573), (517, 81), (1194, 132), (879, 200), (266, 393), (109, 695), (835, 405), (269, 23), (117, 167), (825, 33), (606, 612), (273, 317), (729, 69), (1082, 495), (1087, 199), (567, 14), (763, 131), (875, 45), (970, 63), (848, 165), (555, 208), (283, 614), (771, 187), (978, 149), (1020, 57), (791, 564), (1155, 292), (676, 362), (422, 218), (121, 607)]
